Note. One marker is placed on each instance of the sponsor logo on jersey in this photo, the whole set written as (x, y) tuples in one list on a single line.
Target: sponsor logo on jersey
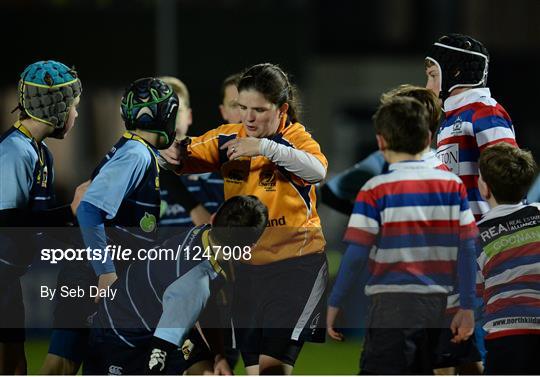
[(236, 171), (187, 347), (157, 360), (277, 222), (148, 222), (115, 370), (45, 176), (449, 155)]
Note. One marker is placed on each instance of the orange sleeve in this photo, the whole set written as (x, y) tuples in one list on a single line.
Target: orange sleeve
[(203, 153), (302, 140)]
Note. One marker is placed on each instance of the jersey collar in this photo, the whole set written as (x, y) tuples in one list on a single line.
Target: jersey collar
[(501, 210), (207, 245), (408, 165), (467, 97)]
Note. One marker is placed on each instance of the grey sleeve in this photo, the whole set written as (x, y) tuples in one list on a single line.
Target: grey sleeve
[(183, 302), (302, 164)]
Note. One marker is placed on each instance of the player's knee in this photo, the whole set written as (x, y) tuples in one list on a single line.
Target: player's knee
[(271, 365), (56, 365)]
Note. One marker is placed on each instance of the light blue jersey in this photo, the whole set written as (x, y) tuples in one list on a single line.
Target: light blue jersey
[(118, 177)]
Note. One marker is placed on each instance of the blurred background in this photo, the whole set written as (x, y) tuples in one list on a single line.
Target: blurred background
[(341, 54)]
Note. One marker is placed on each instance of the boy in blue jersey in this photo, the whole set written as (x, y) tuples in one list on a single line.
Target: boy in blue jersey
[(157, 301), (186, 200), (509, 262), (124, 193), (49, 93), (415, 227), (123, 196)]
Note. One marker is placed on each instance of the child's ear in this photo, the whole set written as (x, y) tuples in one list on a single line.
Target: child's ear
[(381, 143), (483, 188)]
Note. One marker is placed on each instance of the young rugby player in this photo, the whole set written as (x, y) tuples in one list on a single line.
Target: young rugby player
[(509, 262), (49, 93), (419, 224), (142, 328), (124, 196)]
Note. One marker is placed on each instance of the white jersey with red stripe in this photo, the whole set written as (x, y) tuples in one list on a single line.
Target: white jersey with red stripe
[(509, 261), (473, 121)]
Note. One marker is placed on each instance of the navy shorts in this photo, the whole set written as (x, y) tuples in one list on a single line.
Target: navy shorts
[(279, 306), (402, 331)]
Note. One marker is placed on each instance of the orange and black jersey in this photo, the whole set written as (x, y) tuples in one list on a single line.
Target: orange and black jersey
[(294, 227)]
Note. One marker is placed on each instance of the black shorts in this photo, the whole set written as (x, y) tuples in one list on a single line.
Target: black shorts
[(12, 315), (106, 355), (448, 354), (514, 354), (402, 331), (284, 300)]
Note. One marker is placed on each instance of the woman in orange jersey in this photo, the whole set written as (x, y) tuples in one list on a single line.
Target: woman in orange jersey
[(280, 291)]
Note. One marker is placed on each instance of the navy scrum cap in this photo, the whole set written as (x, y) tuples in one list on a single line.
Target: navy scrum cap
[(462, 61)]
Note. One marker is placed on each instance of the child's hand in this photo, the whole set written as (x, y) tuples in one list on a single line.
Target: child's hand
[(175, 154), (331, 316), (77, 197), (221, 366), (462, 325)]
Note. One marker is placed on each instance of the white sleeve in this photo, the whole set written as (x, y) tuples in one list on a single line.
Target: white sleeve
[(302, 164)]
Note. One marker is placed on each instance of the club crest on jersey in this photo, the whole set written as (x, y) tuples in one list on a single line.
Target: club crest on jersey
[(457, 127), (267, 179)]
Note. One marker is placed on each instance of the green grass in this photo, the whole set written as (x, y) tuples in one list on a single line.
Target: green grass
[(36, 350), (328, 358)]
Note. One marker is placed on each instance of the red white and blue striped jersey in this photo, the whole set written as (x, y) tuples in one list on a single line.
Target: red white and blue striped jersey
[(509, 261), (415, 217), (473, 121)]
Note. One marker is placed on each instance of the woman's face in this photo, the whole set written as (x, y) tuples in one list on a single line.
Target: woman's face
[(260, 117)]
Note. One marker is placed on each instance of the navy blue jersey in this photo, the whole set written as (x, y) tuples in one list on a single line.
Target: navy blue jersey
[(207, 189), (162, 297)]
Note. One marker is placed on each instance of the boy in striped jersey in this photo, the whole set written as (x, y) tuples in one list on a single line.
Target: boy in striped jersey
[(509, 262), (409, 223), (457, 69)]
